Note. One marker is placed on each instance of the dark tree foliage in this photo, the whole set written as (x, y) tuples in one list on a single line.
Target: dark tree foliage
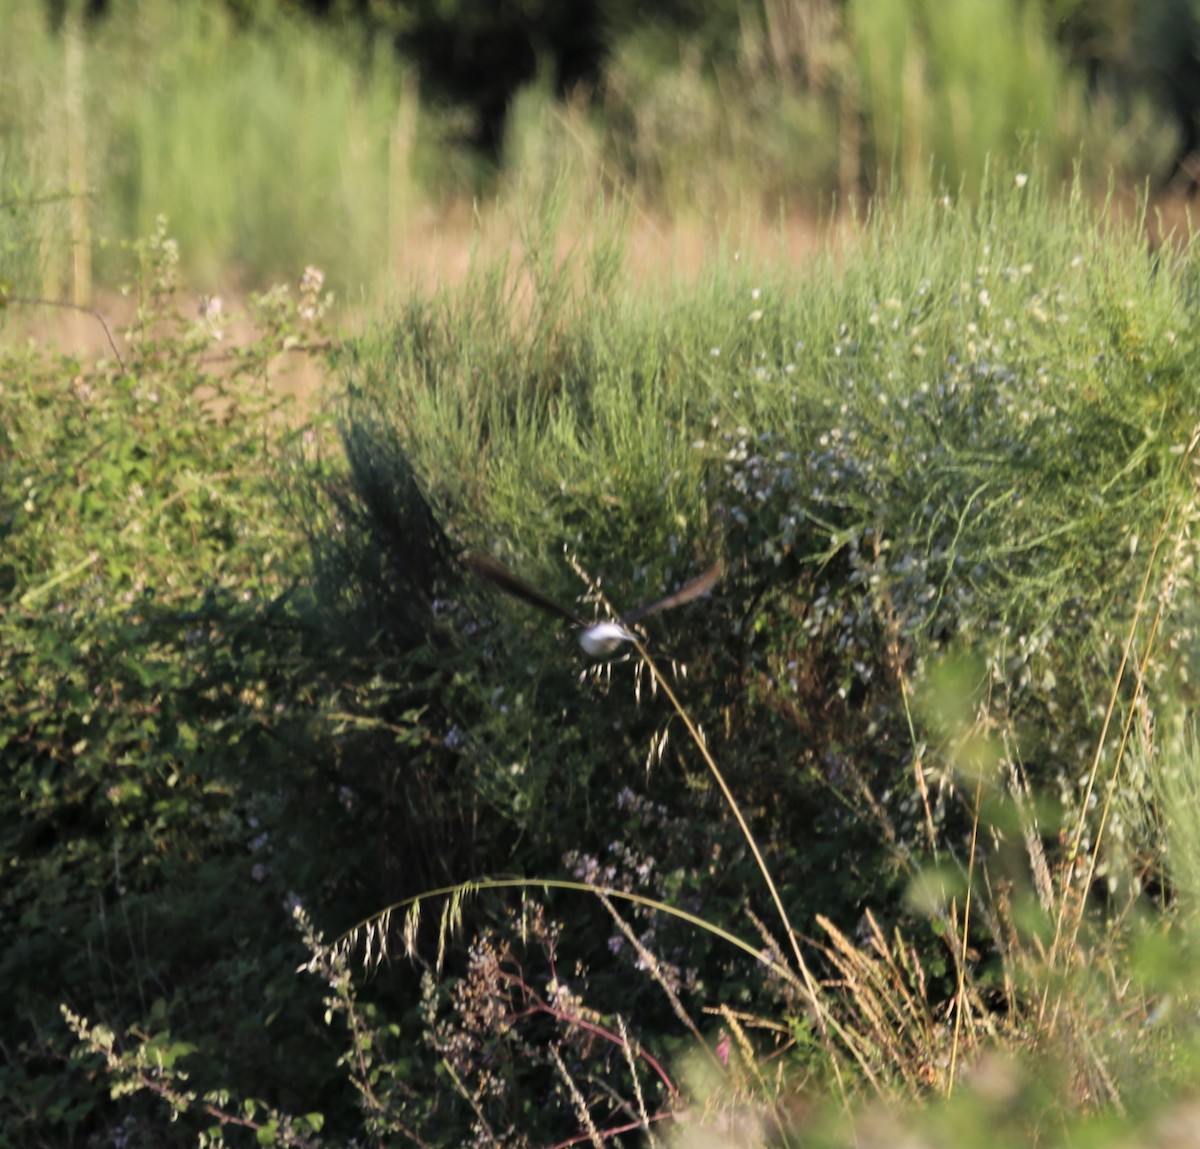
[(476, 54), (57, 10), (1169, 59), (479, 54)]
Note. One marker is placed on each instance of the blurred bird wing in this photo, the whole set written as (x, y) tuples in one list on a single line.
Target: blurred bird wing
[(701, 585), (500, 576)]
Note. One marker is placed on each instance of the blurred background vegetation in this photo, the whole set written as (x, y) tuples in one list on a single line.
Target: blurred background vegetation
[(356, 131), (250, 698)]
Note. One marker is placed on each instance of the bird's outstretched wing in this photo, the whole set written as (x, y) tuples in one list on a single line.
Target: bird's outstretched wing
[(702, 584), (499, 575)]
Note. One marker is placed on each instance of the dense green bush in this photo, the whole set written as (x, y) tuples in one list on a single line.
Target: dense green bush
[(910, 459), (971, 435), (162, 799)]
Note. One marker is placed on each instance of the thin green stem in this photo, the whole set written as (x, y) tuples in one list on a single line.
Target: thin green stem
[(810, 983), (1062, 933), (347, 939), (960, 992)]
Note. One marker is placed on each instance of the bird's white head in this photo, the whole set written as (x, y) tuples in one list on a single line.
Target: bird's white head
[(603, 639)]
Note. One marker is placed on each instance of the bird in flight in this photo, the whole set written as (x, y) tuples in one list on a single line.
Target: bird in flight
[(598, 639)]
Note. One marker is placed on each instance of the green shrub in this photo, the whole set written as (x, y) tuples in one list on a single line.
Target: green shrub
[(895, 458), (155, 726), (970, 434)]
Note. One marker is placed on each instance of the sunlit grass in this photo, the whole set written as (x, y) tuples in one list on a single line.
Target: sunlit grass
[(267, 147)]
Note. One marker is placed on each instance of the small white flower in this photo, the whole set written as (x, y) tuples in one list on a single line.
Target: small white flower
[(312, 280), (1021, 179)]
